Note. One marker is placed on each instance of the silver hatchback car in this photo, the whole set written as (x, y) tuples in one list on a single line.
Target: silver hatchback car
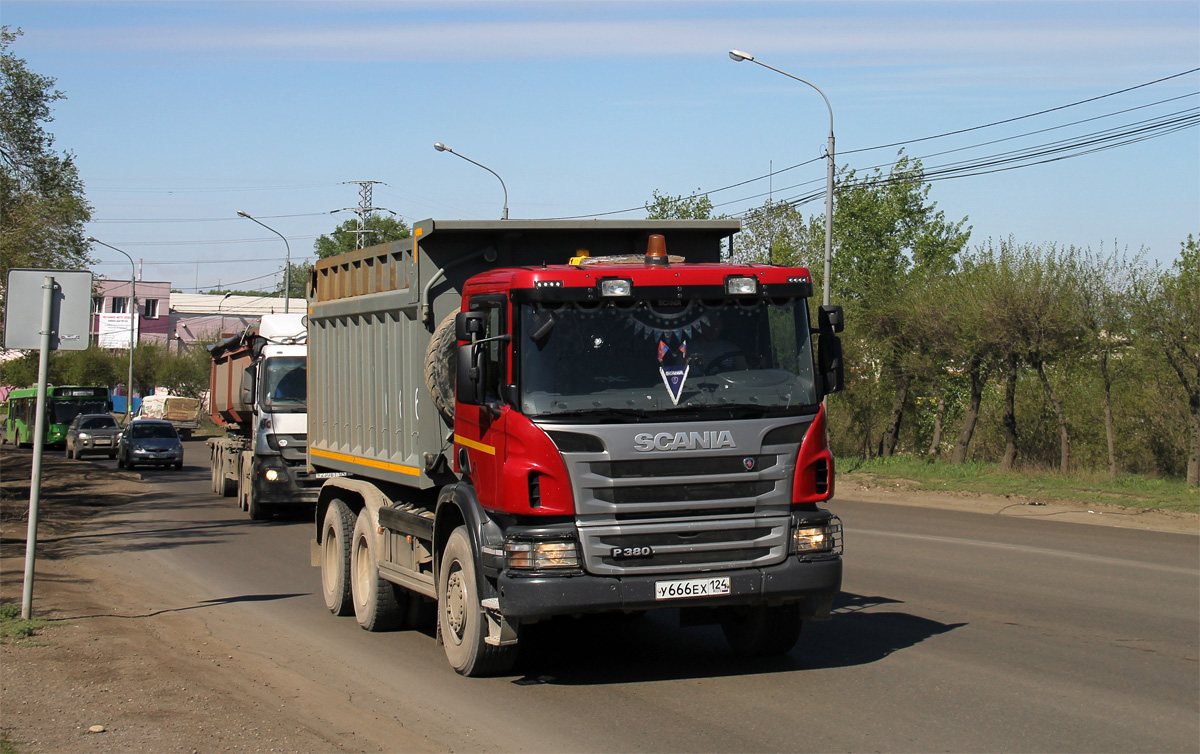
[(92, 433), (150, 442)]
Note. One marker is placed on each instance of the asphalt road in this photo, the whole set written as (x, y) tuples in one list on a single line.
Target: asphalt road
[(955, 632)]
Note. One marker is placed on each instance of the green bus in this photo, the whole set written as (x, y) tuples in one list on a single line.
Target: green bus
[(63, 404)]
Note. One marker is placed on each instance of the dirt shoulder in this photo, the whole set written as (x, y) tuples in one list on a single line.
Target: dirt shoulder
[(152, 681), (162, 682)]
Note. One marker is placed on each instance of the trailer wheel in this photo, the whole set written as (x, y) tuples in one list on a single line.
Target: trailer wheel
[(213, 475), (761, 630), (252, 506), (379, 605), (337, 534), (461, 622), (441, 366)]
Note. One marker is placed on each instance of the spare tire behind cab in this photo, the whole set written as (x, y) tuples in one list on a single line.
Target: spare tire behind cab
[(441, 367)]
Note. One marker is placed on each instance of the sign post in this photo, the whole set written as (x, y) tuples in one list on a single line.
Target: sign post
[(65, 303)]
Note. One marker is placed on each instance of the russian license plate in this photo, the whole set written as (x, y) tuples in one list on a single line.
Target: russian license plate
[(706, 587), (102, 441)]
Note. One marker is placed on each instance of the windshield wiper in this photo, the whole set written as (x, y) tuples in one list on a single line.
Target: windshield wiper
[(600, 412)]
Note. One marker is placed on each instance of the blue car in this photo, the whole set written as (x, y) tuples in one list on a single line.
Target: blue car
[(149, 442)]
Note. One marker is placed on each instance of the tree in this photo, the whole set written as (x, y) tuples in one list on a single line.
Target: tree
[(42, 206), (298, 280), (383, 228), (1169, 313), (665, 207)]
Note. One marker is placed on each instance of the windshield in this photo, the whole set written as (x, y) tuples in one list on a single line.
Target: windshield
[(152, 430), (98, 422), (285, 384), (642, 358), (65, 411)]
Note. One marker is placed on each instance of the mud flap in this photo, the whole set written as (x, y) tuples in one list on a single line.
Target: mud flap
[(500, 632)]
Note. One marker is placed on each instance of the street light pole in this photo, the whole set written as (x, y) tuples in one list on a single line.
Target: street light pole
[(738, 56), (132, 323), (439, 146), (287, 270)]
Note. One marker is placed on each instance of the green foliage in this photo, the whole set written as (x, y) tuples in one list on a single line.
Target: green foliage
[(42, 206), (14, 627), (298, 281), (383, 228), (154, 365), (665, 207), (1135, 492)]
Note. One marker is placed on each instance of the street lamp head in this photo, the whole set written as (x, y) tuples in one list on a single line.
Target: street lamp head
[(739, 56), (93, 239), (439, 146), (243, 213)]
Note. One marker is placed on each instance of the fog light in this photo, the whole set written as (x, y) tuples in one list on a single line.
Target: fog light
[(272, 475), (736, 286), (536, 554)]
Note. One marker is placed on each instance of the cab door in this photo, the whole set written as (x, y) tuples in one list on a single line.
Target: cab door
[(479, 431)]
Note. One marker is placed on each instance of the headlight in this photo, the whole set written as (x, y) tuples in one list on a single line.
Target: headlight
[(272, 475), (741, 285), (812, 538), (616, 287), (83, 435), (541, 553)]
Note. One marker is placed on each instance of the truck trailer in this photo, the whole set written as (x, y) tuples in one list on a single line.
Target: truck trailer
[(258, 394), (183, 413), (519, 420)]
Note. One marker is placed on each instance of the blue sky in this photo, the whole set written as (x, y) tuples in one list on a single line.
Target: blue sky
[(182, 113)]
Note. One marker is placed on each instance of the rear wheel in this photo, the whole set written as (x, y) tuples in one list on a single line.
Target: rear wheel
[(337, 533), (379, 605), (461, 622), (761, 630)]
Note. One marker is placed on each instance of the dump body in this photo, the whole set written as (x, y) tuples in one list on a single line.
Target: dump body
[(576, 463)]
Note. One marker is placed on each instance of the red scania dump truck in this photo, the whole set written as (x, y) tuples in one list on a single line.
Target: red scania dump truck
[(519, 420)]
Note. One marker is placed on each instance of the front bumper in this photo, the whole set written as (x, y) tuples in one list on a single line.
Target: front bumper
[(292, 485), (814, 583)]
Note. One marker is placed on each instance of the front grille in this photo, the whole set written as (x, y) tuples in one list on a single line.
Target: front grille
[(689, 493), (692, 546), (642, 469)]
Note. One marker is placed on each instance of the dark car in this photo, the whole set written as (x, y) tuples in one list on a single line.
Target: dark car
[(92, 433), (149, 442)]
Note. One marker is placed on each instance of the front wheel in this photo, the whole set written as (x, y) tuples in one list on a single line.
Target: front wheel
[(379, 605), (461, 622), (337, 533), (761, 630)]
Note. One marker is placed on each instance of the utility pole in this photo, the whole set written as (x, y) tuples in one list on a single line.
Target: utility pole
[(364, 209)]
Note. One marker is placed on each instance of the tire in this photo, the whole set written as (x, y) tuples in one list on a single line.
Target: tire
[(441, 366), (762, 631), (251, 505), (337, 536), (212, 476), (120, 461), (67, 452), (112, 455), (179, 465), (379, 605), (461, 623)]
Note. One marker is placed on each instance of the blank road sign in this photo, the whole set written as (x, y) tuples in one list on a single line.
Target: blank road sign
[(70, 315)]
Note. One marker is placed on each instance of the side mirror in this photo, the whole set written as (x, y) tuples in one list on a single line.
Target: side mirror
[(248, 387), (469, 380), (831, 318), (467, 324), (830, 362)]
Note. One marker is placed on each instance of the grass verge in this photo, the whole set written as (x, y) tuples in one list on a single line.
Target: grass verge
[(15, 628), (1130, 490)]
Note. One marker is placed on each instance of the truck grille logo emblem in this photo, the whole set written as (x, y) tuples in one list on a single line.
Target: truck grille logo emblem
[(710, 440), (748, 463)]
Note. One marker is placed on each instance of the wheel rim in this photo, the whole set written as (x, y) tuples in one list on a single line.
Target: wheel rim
[(329, 550), (362, 558), (456, 601)]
